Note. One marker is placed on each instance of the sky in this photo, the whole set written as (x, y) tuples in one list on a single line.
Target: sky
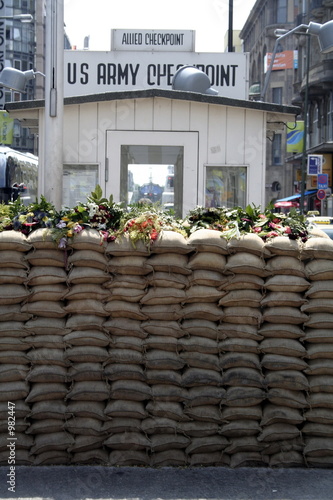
[(209, 19)]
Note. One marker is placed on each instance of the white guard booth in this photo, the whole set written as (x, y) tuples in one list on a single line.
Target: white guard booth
[(180, 149)]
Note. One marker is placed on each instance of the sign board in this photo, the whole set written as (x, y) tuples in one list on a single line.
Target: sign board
[(315, 164), (295, 136), (322, 181), (321, 194), (150, 40), (94, 72), (6, 127), (287, 59)]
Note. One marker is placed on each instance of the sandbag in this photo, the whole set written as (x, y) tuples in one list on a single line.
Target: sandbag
[(246, 263), (250, 243), (283, 264), (208, 240)]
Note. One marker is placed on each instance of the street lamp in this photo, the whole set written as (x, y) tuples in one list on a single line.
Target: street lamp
[(324, 32), (15, 79), (50, 172), (24, 18)]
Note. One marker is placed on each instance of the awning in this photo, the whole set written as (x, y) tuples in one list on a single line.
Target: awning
[(296, 196)]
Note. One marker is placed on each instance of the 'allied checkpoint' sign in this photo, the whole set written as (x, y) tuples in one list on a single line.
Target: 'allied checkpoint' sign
[(93, 72), (160, 40)]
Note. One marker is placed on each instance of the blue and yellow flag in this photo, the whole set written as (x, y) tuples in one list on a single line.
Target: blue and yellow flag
[(295, 137)]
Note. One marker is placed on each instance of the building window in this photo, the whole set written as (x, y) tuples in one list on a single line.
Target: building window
[(276, 150), (277, 95), (152, 173), (280, 11), (226, 186)]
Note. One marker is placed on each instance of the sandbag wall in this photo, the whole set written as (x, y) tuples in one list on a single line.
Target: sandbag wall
[(201, 352)]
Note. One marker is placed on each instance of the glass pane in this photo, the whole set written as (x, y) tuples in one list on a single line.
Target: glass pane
[(78, 182), (152, 173), (226, 186)]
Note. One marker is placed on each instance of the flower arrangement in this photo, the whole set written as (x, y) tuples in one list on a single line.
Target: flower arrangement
[(18, 217), (144, 222), (234, 222), (99, 213)]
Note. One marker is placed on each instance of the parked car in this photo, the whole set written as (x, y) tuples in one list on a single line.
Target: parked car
[(323, 223)]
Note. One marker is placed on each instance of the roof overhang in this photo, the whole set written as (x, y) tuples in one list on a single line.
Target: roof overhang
[(28, 111)]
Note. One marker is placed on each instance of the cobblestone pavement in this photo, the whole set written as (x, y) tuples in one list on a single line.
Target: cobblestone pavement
[(136, 483)]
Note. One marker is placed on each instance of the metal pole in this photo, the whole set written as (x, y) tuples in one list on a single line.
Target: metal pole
[(52, 164), (269, 71), (230, 29), (305, 116)]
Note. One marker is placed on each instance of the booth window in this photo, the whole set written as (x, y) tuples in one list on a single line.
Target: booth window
[(153, 174), (78, 182), (226, 186)]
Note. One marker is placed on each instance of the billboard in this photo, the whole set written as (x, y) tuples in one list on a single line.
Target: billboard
[(288, 59), (93, 72)]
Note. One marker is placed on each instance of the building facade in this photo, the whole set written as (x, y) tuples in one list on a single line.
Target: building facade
[(287, 84), (259, 38), (24, 49)]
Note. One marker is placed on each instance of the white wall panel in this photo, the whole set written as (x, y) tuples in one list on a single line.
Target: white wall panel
[(143, 114), (180, 119), (217, 129), (162, 114), (88, 130), (71, 134), (125, 114), (235, 136)]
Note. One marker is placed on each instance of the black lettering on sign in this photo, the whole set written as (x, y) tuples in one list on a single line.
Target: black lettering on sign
[(131, 39), (116, 74), (220, 75), (71, 73), (2, 33), (84, 74), (151, 73)]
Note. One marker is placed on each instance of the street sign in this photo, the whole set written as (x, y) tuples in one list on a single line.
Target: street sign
[(321, 194), (322, 181), (315, 164)]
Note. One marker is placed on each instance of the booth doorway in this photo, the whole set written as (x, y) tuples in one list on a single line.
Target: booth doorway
[(161, 167)]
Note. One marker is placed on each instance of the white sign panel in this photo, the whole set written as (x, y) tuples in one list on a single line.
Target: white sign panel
[(89, 72), (159, 40)]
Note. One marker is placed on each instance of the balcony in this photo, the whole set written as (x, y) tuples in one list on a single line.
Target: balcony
[(320, 78)]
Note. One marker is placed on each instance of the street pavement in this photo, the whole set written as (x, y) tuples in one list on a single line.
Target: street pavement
[(140, 483)]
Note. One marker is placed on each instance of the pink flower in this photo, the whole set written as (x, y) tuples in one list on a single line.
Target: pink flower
[(272, 233), (29, 223), (104, 235), (77, 228)]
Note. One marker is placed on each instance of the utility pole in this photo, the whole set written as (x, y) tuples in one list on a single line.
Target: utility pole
[(230, 28)]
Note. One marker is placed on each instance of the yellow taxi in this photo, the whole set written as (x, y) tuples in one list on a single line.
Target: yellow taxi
[(325, 223)]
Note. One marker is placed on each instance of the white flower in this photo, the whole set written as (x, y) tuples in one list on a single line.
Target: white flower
[(92, 208)]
